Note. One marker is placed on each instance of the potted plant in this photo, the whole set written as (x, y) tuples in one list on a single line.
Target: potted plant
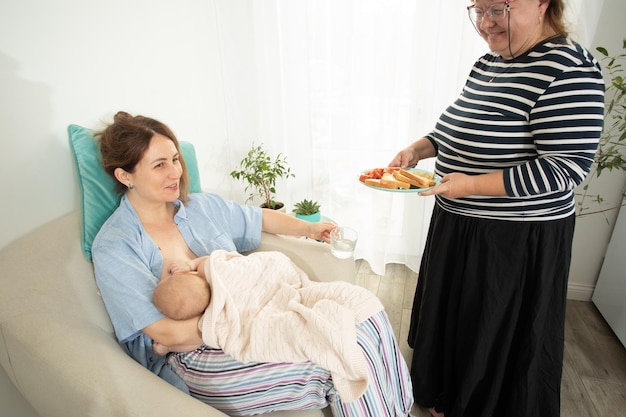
[(600, 197), (260, 171), (611, 152), (307, 210)]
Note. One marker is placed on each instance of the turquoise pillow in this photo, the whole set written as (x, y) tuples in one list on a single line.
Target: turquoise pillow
[(98, 198)]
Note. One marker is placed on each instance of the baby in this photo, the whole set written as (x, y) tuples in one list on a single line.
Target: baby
[(263, 308), (185, 293), (182, 295)]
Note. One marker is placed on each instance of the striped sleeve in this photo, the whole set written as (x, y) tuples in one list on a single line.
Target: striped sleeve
[(566, 123)]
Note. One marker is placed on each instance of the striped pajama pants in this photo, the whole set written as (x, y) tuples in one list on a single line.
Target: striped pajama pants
[(239, 389)]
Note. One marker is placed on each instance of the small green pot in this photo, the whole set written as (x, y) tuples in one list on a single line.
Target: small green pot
[(310, 217)]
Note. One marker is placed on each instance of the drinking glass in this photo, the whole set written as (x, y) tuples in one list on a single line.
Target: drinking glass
[(342, 241)]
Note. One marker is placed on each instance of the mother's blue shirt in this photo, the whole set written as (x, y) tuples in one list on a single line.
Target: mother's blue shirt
[(128, 263)]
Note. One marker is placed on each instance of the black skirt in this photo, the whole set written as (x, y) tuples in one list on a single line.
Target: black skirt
[(487, 325)]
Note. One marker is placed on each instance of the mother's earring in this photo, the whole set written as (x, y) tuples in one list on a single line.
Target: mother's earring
[(130, 186)]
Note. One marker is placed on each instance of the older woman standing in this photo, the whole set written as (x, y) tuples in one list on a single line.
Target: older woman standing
[(487, 324), (159, 222)]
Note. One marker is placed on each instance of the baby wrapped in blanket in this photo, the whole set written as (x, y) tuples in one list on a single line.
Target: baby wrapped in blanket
[(263, 308)]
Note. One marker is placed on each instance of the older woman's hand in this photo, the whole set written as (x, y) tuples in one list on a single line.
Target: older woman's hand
[(455, 185), (458, 185), (405, 158), (409, 157)]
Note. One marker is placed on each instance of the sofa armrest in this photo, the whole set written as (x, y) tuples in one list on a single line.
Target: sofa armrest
[(312, 257), (57, 343), (67, 367)]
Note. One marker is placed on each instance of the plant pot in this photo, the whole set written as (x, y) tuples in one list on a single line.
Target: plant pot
[(277, 206), (310, 217)]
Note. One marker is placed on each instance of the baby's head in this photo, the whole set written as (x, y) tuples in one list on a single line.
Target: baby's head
[(182, 296)]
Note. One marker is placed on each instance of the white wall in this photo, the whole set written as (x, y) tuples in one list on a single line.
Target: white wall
[(79, 61)]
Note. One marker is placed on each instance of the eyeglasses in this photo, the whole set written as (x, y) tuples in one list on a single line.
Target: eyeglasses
[(495, 12)]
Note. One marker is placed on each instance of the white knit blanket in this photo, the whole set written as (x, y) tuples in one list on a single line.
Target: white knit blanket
[(265, 309)]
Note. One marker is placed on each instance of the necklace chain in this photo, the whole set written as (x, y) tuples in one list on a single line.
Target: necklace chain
[(507, 68), (497, 74)]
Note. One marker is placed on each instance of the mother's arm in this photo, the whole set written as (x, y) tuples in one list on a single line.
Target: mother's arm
[(176, 335), (277, 222)]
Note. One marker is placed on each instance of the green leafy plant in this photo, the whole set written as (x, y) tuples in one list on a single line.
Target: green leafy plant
[(260, 171), (306, 207), (610, 155)]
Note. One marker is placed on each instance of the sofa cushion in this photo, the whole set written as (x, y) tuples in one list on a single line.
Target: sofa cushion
[(98, 197)]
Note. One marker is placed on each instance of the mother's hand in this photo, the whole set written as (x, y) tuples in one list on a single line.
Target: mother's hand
[(320, 230), (276, 222)]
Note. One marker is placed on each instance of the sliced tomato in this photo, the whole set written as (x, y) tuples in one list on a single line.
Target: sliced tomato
[(377, 173)]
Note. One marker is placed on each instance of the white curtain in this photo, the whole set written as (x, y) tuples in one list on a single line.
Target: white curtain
[(340, 86)]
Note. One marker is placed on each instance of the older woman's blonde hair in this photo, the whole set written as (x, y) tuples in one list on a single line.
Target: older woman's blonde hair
[(555, 17)]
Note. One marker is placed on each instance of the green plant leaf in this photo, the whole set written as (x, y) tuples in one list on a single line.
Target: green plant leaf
[(306, 207), (602, 50), (260, 172), (611, 154)]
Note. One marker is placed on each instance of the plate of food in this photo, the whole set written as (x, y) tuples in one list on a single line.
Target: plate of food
[(399, 180)]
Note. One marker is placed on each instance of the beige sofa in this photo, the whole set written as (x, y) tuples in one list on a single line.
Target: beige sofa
[(57, 343)]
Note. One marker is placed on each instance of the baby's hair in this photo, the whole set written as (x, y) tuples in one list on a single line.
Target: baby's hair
[(182, 296)]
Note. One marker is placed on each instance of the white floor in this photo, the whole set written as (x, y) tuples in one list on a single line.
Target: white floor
[(12, 404)]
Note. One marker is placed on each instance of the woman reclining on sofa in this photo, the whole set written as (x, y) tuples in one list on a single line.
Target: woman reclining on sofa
[(158, 222)]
